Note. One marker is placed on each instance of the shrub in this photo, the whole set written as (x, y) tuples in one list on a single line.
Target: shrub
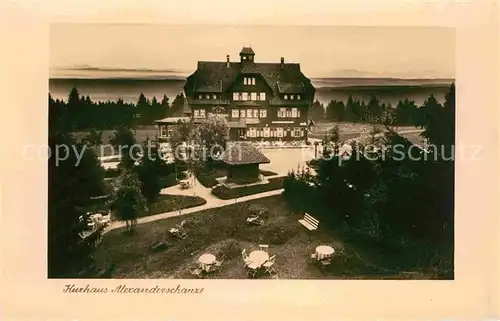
[(112, 172)]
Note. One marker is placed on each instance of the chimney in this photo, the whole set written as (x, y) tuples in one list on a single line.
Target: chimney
[(282, 62), (228, 62)]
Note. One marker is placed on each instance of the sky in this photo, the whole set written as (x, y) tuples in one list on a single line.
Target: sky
[(322, 51)]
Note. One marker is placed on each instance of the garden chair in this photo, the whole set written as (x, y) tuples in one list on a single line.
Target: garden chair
[(255, 220), (326, 262), (264, 247), (244, 255), (269, 265), (196, 271), (216, 267), (253, 269), (178, 233)]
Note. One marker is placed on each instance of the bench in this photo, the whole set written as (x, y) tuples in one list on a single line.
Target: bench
[(309, 222)]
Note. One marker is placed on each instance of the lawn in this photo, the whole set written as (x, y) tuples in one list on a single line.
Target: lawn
[(167, 203), (223, 232), (347, 130), (225, 193)]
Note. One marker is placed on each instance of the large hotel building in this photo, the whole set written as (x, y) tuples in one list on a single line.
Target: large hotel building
[(261, 101)]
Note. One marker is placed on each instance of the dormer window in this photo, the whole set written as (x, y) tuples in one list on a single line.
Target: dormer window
[(298, 97), (248, 80), (207, 96), (200, 96), (214, 96), (286, 97), (291, 97)]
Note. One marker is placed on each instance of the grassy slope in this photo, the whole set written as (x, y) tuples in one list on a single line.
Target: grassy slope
[(223, 232)]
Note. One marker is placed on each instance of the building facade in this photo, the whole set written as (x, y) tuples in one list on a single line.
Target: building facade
[(261, 101)]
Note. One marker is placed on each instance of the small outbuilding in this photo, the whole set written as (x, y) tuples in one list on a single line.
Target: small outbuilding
[(242, 162)]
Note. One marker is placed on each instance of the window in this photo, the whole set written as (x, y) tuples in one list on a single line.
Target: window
[(236, 96), (254, 96), (200, 96), (249, 113), (294, 112), (286, 97), (235, 113), (279, 131), (298, 97), (288, 113), (253, 81), (199, 113), (291, 97), (281, 112), (263, 113), (263, 96), (207, 96), (245, 81), (296, 132), (163, 130), (255, 113), (242, 113), (273, 132), (298, 112), (244, 96), (259, 132), (266, 132), (251, 132)]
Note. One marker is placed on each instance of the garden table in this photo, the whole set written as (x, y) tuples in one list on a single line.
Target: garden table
[(324, 251), (206, 260), (258, 257)]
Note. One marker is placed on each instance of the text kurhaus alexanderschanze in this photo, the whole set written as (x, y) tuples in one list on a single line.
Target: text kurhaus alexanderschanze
[(123, 289)]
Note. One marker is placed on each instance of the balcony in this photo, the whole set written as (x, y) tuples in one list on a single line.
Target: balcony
[(251, 121)]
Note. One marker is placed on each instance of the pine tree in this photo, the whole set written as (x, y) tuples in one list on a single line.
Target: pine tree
[(72, 183), (150, 170)]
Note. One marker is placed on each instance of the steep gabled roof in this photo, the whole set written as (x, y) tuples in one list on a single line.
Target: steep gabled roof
[(247, 51), (293, 87), (242, 154), (215, 76)]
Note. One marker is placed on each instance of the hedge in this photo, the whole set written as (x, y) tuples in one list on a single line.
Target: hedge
[(225, 193)]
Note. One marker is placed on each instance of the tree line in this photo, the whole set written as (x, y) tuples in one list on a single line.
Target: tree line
[(384, 195), (79, 112), (375, 111)]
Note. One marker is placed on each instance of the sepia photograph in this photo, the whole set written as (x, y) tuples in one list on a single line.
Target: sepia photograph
[(251, 152)]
